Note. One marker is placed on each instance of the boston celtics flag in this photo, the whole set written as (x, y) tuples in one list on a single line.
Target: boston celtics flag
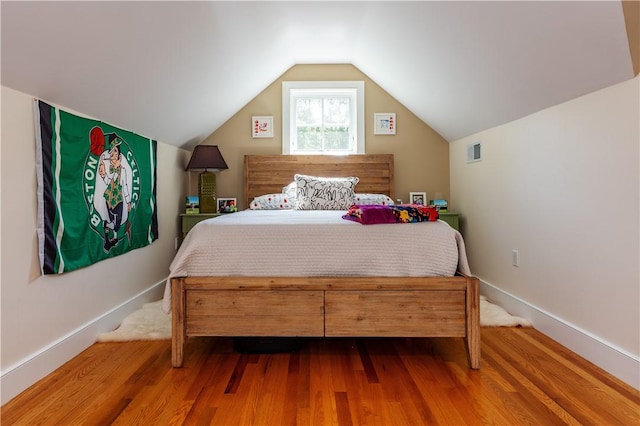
[(96, 190)]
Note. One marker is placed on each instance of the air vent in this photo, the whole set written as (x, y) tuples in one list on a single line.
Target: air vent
[(474, 152)]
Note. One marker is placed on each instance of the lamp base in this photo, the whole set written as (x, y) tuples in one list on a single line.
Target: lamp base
[(207, 193)]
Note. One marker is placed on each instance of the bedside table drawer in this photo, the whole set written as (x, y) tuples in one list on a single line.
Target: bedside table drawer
[(190, 220)]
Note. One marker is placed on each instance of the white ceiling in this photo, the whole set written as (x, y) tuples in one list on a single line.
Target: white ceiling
[(176, 71)]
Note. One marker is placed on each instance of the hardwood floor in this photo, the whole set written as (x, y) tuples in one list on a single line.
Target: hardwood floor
[(525, 378)]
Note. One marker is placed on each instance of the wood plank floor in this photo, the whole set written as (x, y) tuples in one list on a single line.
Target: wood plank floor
[(525, 378)]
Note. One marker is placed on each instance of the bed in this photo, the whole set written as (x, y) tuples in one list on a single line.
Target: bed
[(218, 299)]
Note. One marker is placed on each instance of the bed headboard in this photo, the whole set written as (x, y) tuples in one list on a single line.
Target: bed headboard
[(267, 174)]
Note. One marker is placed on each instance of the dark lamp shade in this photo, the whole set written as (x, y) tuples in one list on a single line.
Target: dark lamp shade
[(206, 157)]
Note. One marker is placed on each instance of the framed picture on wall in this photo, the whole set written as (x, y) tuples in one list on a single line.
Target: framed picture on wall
[(418, 198), (384, 123), (262, 126)]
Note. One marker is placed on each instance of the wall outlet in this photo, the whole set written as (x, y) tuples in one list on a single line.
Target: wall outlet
[(515, 258)]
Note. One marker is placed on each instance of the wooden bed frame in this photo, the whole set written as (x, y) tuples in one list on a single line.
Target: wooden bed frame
[(324, 306)]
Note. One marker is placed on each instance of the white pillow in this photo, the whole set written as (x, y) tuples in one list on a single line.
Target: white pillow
[(290, 190), (377, 199), (272, 202), (324, 193)]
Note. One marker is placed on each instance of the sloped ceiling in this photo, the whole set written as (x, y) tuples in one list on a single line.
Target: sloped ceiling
[(176, 71)]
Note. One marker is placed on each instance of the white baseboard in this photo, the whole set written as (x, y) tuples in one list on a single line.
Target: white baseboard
[(34, 367), (616, 361)]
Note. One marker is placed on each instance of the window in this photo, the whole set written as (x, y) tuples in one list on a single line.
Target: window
[(323, 117)]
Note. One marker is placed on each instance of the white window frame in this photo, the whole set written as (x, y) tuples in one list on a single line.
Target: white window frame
[(288, 90)]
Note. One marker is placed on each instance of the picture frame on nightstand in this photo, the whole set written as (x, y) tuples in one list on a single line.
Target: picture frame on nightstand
[(418, 198), (227, 205), (440, 205), (192, 204)]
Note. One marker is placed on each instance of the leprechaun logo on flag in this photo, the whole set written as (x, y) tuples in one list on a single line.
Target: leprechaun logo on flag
[(96, 190)]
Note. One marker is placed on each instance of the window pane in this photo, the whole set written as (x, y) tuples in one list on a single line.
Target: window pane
[(337, 111), (309, 138), (337, 138), (337, 121), (308, 111)]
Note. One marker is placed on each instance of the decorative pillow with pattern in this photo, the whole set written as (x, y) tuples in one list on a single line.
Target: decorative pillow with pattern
[(272, 202), (373, 199), (324, 193)]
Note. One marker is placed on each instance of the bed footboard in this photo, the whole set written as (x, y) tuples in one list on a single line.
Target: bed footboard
[(326, 306)]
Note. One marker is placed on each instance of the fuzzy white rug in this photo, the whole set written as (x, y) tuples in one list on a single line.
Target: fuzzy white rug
[(148, 323), (151, 323), (492, 315)]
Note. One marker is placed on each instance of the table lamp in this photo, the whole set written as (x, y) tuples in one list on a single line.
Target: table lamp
[(208, 159)]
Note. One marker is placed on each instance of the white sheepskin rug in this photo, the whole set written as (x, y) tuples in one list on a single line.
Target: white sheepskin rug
[(148, 323), (494, 316), (151, 323)]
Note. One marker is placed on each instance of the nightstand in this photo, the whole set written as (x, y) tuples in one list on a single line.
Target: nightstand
[(189, 220), (452, 219)]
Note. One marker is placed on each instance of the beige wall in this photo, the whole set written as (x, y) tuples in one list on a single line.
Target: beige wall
[(43, 317), (562, 187), (421, 155)]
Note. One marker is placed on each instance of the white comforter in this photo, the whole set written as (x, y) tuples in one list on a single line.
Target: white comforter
[(315, 243)]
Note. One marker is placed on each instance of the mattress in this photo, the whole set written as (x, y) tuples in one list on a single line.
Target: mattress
[(315, 243)]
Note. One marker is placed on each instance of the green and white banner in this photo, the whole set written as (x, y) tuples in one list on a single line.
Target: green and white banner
[(96, 190)]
